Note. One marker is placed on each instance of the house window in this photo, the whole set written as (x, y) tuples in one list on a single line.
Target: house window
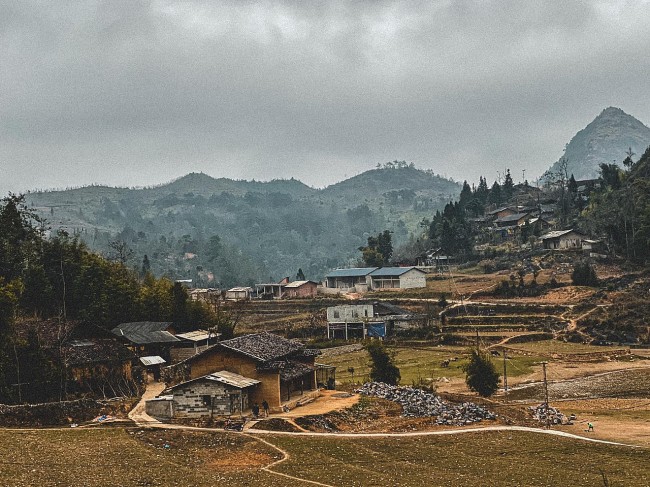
[(336, 314), (206, 399), (365, 312)]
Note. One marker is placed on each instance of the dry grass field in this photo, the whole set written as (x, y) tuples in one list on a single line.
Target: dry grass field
[(104, 457)]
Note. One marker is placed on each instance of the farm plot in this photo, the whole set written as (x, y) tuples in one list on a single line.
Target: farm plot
[(505, 458), (620, 383), (101, 457)]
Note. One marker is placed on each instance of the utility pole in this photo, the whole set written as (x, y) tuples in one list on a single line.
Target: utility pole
[(477, 347), (505, 376), (548, 420)]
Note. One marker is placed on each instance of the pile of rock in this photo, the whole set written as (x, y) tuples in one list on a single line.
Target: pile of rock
[(547, 414), (418, 403)]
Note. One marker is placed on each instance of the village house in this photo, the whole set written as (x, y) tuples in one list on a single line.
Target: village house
[(434, 259), (193, 342), (147, 338), (376, 319), (285, 369), (563, 240), (241, 293), (513, 220), (97, 365), (220, 393), (502, 212), (271, 290), (301, 289), (353, 279), (397, 278)]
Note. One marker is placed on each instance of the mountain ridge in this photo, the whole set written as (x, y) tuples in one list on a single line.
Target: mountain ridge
[(604, 140)]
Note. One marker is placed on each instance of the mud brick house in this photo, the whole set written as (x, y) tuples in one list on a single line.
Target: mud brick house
[(147, 338), (221, 393), (563, 240), (301, 289), (284, 369), (97, 365)]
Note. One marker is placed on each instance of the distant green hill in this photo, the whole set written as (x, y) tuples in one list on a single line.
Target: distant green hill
[(265, 230), (606, 139)]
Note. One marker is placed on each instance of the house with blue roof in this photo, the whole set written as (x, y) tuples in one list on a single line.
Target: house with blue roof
[(353, 279)]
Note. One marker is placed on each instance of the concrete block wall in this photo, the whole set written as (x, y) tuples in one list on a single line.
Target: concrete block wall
[(189, 400)]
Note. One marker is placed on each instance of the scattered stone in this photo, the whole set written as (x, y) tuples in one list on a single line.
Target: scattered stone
[(547, 414), (417, 403)]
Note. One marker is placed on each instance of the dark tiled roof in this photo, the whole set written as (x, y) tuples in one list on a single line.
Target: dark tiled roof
[(288, 369), (262, 346), (512, 218), (143, 332), (87, 352)]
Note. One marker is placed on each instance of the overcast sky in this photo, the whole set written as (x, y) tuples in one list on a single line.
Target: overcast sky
[(135, 93)]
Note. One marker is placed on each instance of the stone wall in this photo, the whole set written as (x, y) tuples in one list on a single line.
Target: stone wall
[(50, 413)]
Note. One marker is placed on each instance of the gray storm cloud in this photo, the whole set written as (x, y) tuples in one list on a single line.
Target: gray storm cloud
[(136, 93)]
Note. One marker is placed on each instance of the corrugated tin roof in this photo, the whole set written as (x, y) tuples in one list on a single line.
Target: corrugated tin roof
[(352, 272), (558, 233), (393, 271), (299, 283), (152, 360), (223, 377), (231, 379), (239, 289), (197, 335)]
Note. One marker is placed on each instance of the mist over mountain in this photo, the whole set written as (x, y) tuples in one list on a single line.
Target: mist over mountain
[(605, 140), (223, 232)]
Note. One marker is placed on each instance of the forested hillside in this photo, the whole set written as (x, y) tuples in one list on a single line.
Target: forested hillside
[(221, 232)]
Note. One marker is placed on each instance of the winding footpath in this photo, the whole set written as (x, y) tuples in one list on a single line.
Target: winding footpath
[(140, 418)]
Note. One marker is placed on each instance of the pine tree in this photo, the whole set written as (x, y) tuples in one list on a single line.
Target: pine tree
[(508, 186), (494, 197)]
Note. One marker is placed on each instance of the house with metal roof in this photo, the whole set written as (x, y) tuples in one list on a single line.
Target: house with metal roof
[(220, 393), (353, 279), (397, 278), (563, 240), (285, 369), (301, 289), (241, 293)]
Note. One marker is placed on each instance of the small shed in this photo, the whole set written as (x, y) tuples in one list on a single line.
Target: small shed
[(220, 393), (152, 365), (301, 289)]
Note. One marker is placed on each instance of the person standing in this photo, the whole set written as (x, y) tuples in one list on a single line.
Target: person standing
[(255, 410), (265, 406)]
